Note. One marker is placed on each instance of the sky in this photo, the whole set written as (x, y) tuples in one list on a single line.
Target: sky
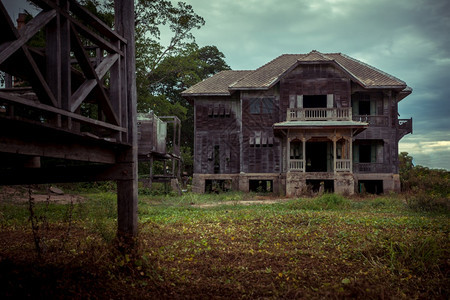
[(409, 39)]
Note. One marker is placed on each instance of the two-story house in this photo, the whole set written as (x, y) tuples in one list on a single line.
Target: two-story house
[(296, 123)]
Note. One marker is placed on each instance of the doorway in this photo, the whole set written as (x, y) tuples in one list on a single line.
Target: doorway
[(316, 157)]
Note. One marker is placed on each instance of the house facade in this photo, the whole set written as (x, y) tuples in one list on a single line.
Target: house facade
[(300, 122)]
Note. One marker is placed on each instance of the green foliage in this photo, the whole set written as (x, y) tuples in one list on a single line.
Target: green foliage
[(416, 254), (201, 246), (425, 189), (421, 200), (324, 202)]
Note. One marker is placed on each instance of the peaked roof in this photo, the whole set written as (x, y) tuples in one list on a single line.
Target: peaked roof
[(216, 85), (269, 74)]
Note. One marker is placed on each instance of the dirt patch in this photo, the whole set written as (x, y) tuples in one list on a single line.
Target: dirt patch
[(242, 202), (21, 194)]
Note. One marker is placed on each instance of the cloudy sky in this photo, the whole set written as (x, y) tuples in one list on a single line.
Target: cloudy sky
[(409, 39)]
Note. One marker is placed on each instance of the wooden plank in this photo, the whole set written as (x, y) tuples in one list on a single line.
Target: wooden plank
[(90, 73), (87, 173), (28, 32), (94, 21), (48, 108), (83, 29), (127, 197), (55, 149)]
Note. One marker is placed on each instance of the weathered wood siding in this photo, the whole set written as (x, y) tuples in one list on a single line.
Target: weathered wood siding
[(217, 125), (261, 150), (315, 79)]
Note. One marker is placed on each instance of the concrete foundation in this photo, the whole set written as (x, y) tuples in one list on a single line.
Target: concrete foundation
[(295, 184)]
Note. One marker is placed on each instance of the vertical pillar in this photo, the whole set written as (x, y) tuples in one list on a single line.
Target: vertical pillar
[(288, 158), (127, 188), (351, 151), (334, 154), (304, 154)]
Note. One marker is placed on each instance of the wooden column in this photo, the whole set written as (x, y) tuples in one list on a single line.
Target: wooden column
[(288, 147), (127, 189), (351, 150), (334, 153), (304, 154)]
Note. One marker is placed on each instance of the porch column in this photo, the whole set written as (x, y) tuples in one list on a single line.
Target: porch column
[(350, 140), (334, 154), (288, 147), (304, 154)]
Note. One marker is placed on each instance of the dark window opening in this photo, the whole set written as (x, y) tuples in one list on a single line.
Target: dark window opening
[(261, 186), (267, 106), (255, 106), (365, 153), (216, 159), (219, 111), (314, 101), (217, 185), (370, 186), (296, 149), (261, 106), (316, 157), (364, 107), (314, 184)]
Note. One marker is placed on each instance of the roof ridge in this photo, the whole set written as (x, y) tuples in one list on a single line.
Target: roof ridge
[(263, 66), (371, 67)]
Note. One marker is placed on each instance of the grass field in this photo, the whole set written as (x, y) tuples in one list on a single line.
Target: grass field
[(218, 246)]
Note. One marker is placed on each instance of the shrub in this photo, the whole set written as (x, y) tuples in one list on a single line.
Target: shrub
[(421, 200)]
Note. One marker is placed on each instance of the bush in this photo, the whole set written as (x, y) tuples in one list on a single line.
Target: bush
[(421, 200)]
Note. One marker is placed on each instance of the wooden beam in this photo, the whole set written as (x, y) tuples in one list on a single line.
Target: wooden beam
[(127, 197), (30, 29), (108, 46), (90, 73), (87, 173), (82, 119), (74, 150)]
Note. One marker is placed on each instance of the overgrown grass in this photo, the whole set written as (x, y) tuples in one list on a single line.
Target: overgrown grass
[(205, 246)]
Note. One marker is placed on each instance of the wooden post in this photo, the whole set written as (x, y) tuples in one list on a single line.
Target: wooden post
[(127, 189), (334, 153), (304, 154)]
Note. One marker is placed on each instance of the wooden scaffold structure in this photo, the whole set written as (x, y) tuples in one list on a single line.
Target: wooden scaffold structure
[(75, 118)]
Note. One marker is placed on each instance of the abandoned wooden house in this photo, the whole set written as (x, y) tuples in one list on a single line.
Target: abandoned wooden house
[(298, 122)]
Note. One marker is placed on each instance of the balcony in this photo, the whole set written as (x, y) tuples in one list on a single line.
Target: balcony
[(404, 127), (371, 168), (319, 114), (342, 165)]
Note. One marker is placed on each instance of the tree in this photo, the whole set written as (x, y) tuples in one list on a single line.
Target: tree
[(175, 74), (405, 162)]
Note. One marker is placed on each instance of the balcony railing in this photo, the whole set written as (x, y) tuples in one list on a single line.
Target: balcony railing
[(343, 165), (371, 168), (376, 121), (319, 114), (296, 165), (405, 124)]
